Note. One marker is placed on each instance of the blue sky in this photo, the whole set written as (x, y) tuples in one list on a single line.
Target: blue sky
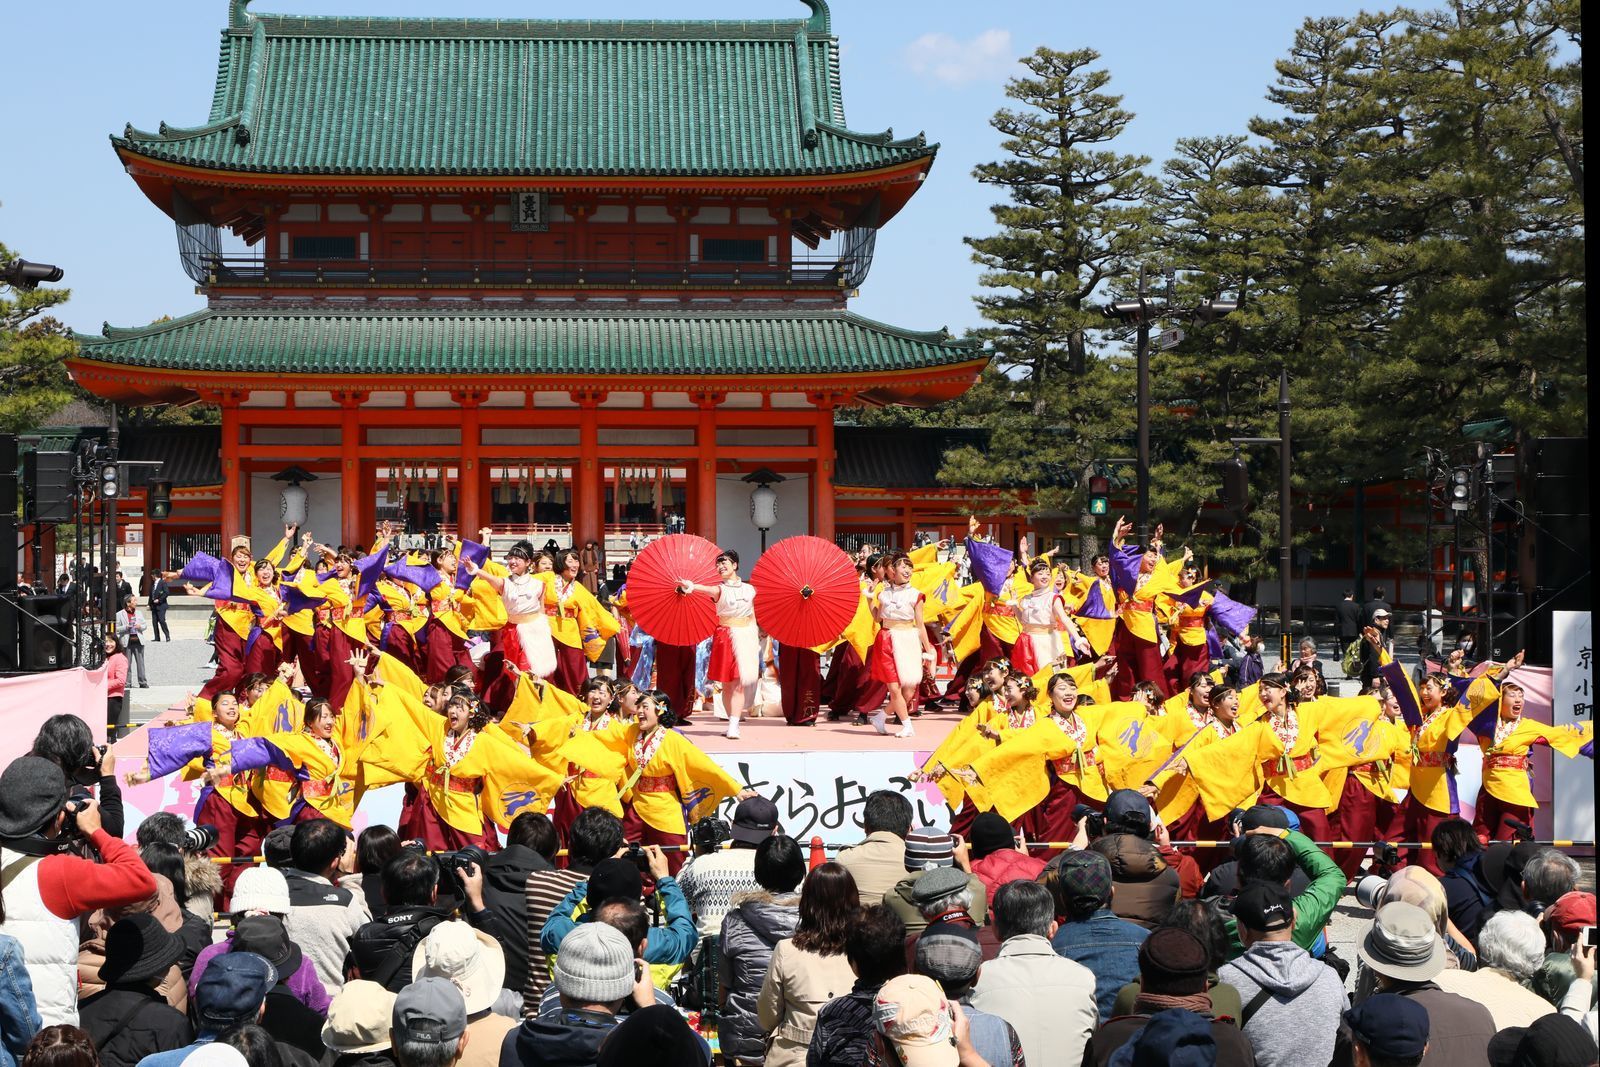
[(940, 66)]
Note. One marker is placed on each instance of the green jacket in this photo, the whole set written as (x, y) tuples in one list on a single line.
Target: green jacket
[(1314, 907)]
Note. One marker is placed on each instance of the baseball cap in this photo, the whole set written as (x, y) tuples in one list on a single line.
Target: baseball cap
[(1552, 1041), (1254, 818), (430, 1010), (949, 953), (359, 1017), (1263, 907), (754, 820), (1390, 1026), (613, 878), (233, 989), (928, 847), (1571, 913), (1381, 613), (912, 1013), (1127, 809)]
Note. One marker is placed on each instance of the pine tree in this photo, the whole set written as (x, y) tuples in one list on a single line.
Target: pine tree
[(33, 349)]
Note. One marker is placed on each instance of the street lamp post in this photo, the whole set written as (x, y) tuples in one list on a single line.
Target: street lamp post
[(1285, 518)]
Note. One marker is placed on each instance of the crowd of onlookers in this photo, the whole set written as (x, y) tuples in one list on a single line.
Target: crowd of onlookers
[(915, 948)]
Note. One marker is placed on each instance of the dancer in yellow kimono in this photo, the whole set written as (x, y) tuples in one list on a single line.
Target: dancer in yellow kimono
[(1361, 777), (1141, 578), (1505, 736)]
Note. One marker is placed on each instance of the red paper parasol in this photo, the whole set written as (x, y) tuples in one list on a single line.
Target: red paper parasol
[(669, 616), (806, 591)]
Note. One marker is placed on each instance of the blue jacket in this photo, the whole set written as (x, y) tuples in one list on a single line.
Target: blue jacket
[(1109, 947), (19, 1015), (672, 943)]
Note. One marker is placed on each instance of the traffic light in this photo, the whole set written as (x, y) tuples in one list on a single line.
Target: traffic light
[(1099, 495), (1235, 486), (1463, 487), (160, 494)]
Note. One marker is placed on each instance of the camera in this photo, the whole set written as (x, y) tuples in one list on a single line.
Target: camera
[(198, 839), (1095, 820), (635, 855), (1369, 889), (453, 864)]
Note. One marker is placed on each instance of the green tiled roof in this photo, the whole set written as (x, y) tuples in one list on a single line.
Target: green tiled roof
[(565, 342), (310, 95)]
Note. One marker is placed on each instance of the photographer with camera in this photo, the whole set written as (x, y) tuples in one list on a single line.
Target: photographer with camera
[(45, 887), (65, 740), (669, 945), (383, 948)]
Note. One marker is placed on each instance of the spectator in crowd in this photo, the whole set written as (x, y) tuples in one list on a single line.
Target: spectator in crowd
[(1088, 931), (116, 668), (1207, 922), (1148, 884), (47, 890), (879, 862), (928, 849), (1553, 1041), (630, 918), (61, 1046), (323, 915), (277, 847), (950, 955), (19, 1014), (1577, 1001), (809, 969), (130, 630), (1467, 894), (996, 859), (375, 846), (65, 740), (1172, 975), (1172, 1038), (1292, 1003), (168, 861), (233, 992), (429, 1025), (283, 1015), (1385, 1030), (357, 1031), (1370, 610), (1510, 953), (1417, 885), (474, 963), (382, 949), (1565, 920), (1347, 619), (1225, 880), (710, 880), (1547, 876), (1370, 660), (1050, 1001), (163, 905), (1271, 855), (264, 891), (124, 588), (946, 896), (596, 834), (915, 1024), (617, 879), (531, 846), (1406, 953), (655, 1035), (596, 974), (750, 931), (130, 1019), (160, 594), (875, 948)]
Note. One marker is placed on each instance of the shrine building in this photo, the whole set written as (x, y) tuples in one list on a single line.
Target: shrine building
[(576, 277)]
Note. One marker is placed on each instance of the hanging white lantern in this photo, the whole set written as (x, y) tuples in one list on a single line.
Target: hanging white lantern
[(764, 507), (292, 503)]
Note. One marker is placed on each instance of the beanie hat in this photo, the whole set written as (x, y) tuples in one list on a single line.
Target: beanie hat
[(32, 792), (261, 889), (595, 964), (991, 833), (927, 847), (1172, 962)]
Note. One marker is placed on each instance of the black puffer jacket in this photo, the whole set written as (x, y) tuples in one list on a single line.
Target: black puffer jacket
[(1146, 887), (130, 1022), (383, 948), (505, 896), (756, 922)]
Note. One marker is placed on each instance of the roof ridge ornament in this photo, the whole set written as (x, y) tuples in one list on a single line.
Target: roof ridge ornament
[(821, 21), (238, 17)]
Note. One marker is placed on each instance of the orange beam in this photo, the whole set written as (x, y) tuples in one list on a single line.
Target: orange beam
[(232, 516)]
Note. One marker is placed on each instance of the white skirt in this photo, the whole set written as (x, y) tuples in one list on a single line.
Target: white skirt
[(907, 645), (538, 646), (1046, 647), (747, 653)]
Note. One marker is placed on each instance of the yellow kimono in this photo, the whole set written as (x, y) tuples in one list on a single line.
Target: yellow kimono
[(1232, 773), (959, 748), (596, 755), (1505, 755), (673, 771), (1368, 751), (578, 613), (1430, 745), (1098, 632), (1176, 793), (1014, 777), (1132, 743)]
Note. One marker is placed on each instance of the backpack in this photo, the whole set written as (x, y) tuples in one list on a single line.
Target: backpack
[(1352, 659)]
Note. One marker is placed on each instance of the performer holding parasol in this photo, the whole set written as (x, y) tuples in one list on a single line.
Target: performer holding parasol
[(809, 595), (735, 645), (903, 648)]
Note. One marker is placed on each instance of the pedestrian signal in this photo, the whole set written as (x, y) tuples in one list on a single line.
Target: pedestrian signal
[(1099, 495)]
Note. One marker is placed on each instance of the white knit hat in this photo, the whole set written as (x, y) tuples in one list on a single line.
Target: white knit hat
[(595, 964), (470, 959), (261, 889)]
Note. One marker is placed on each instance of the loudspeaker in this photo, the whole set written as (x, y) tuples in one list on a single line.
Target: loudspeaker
[(45, 633), (1560, 516), (47, 487)]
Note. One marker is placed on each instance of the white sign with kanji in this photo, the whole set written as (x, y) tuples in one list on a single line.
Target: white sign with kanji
[(1572, 697)]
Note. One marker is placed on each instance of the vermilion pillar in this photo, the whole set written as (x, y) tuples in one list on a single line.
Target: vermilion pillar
[(350, 531), (705, 496), (822, 519), (468, 481), (589, 499), (232, 517)]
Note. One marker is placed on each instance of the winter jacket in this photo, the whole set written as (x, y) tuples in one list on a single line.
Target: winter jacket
[(1047, 999), (505, 896), (876, 864), (1297, 1022), (1146, 885), (360, 1059), (1109, 947), (750, 931), (129, 1022), (673, 943), (1467, 897), (322, 919), (303, 983), (204, 878), (899, 901), (844, 1026), (383, 948), (557, 1039), (1458, 1029), (1233, 1048), (796, 986), (292, 1023), (1006, 865), (92, 952), (19, 1016), (1509, 1002), (1314, 907)]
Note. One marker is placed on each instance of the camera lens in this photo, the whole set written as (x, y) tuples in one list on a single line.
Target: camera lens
[(1369, 889)]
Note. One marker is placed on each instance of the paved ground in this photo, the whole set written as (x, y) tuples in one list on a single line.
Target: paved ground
[(174, 669)]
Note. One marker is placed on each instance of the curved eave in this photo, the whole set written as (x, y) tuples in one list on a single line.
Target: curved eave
[(917, 387), (155, 176)]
